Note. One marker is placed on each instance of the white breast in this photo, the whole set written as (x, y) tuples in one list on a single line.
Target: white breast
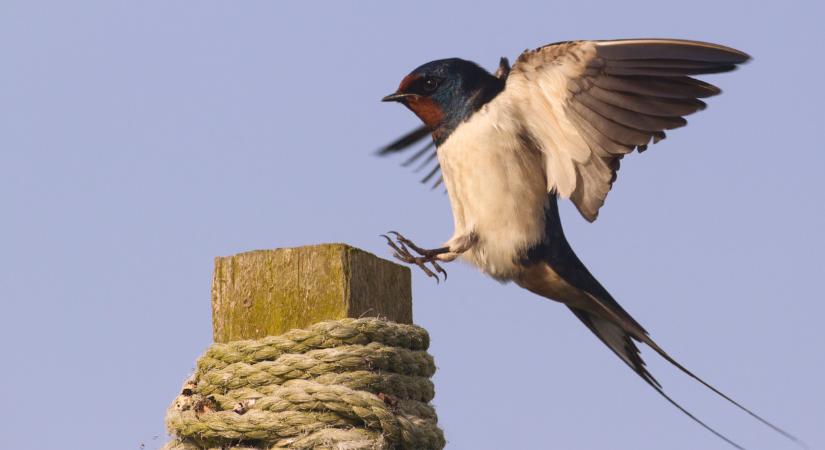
[(497, 189)]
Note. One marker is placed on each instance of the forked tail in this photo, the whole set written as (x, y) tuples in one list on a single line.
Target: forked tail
[(604, 316), (622, 344)]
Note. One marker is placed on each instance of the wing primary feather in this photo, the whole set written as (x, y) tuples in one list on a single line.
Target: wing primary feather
[(616, 131), (638, 121), (431, 174), (646, 104), (602, 99), (404, 141), (658, 136), (417, 155), (424, 163), (663, 71), (670, 87), (669, 49), (605, 145), (673, 64)]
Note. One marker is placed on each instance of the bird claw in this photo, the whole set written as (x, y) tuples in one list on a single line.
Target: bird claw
[(401, 251)]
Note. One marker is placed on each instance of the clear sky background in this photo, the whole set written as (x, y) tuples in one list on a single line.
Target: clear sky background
[(140, 139)]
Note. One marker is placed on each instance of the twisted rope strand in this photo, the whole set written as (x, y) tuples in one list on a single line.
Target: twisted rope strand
[(347, 384), (348, 358), (333, 333)]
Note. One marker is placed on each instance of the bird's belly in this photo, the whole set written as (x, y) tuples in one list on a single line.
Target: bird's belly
[(497, 191)]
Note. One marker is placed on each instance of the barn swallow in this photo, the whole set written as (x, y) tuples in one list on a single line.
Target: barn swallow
[(555, 125)]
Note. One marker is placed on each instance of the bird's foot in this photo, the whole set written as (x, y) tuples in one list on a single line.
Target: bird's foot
[(401, 250)]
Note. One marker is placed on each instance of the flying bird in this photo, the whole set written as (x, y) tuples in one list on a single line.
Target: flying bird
[(555, 125)]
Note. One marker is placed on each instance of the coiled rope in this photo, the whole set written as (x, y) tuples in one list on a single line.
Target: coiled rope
[(347, 384)]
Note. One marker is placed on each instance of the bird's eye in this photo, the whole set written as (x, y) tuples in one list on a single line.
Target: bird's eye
[(430, 84)]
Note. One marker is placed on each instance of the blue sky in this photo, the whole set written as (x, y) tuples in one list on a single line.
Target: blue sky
[(138, 140)]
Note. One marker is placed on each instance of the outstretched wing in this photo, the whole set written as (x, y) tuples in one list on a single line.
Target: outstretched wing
[(408, 140), (586, 104)]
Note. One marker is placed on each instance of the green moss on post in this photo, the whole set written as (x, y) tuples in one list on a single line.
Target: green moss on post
[(268, 292)]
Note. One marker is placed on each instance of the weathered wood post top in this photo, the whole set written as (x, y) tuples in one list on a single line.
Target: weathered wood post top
[(268, 292)]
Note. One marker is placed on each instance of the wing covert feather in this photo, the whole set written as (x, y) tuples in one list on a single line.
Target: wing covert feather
[(588, 103)]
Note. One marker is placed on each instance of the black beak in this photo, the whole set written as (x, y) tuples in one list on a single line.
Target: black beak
[(397, 97)]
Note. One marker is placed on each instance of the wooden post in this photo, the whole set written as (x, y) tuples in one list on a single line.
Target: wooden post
[(269, 292)]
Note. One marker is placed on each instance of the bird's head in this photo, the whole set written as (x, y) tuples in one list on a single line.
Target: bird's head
[(445, 92)]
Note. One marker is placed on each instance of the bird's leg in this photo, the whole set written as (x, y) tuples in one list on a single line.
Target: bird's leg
[(421, 251), (401, 250)]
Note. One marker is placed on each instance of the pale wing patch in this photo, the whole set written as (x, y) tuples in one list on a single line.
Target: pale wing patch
[(541, 94), (586, 104)]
